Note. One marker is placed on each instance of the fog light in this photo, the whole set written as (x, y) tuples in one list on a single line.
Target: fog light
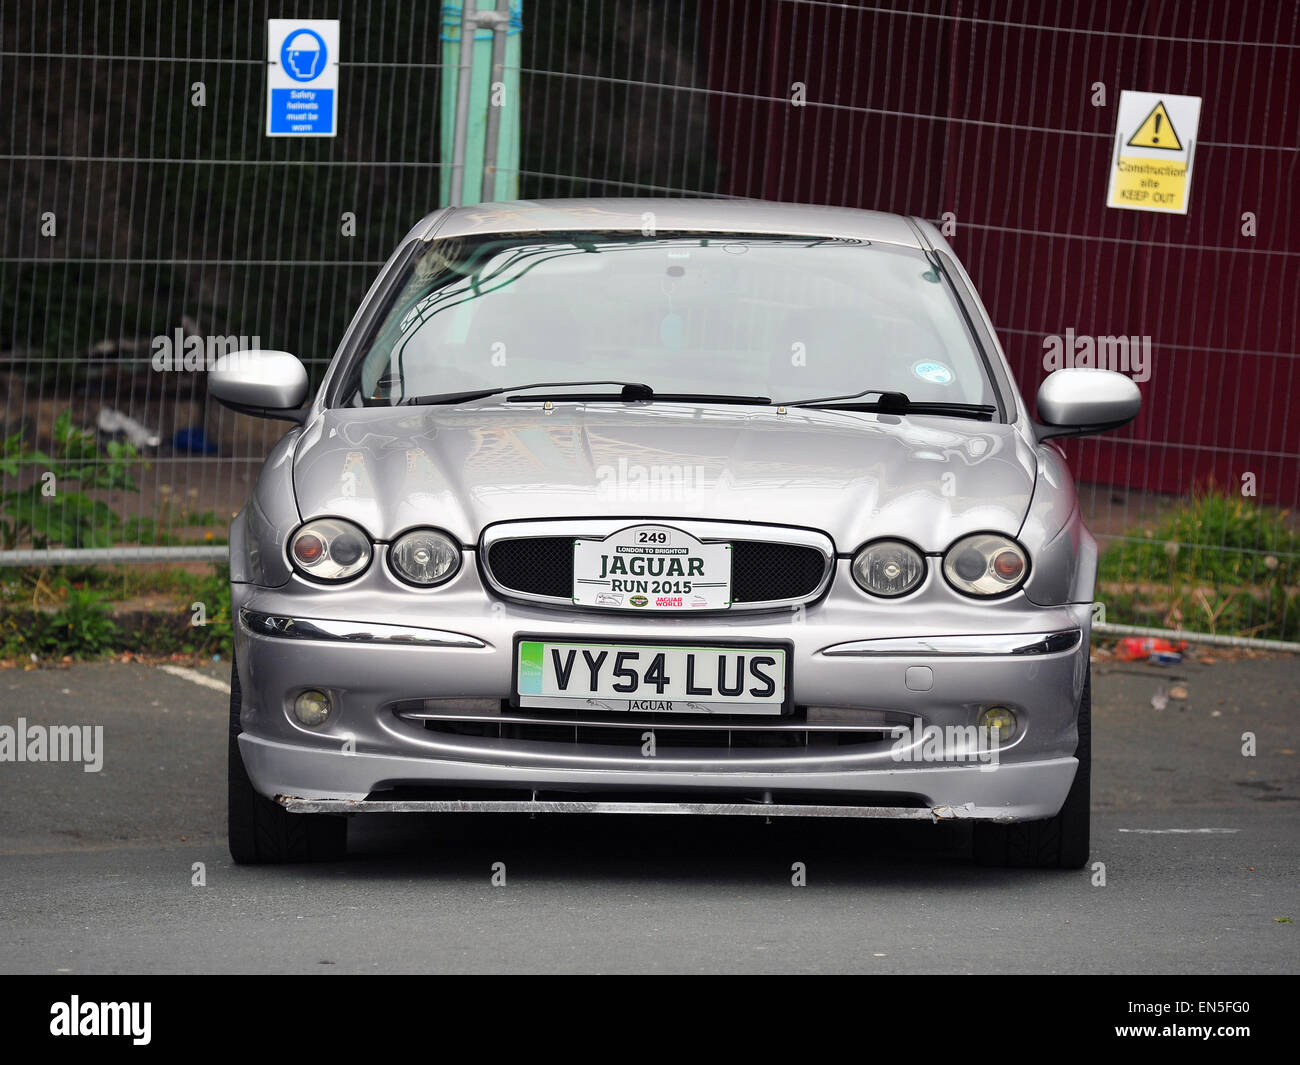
[(1000, 718), (311, 708)]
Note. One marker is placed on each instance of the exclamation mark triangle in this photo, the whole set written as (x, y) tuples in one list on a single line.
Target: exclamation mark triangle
[(1156, 131)]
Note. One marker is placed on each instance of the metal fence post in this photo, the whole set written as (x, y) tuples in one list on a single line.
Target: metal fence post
[(468, 27), (496, 73)]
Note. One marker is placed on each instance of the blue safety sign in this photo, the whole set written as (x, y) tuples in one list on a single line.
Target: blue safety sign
[(302, 77)]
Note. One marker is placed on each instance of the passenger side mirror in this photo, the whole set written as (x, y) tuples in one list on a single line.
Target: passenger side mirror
[(1078, 401), (266, 384)]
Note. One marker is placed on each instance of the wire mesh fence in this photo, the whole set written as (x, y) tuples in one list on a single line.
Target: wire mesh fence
[(147, 215)]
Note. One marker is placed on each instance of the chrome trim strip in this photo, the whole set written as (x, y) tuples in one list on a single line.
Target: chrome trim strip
[(548, 806), (326, 629), (599, 528), (1016, 643)]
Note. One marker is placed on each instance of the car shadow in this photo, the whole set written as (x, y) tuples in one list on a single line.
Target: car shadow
[(650, 849)]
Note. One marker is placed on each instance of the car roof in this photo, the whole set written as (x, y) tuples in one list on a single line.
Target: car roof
[(670, 215)]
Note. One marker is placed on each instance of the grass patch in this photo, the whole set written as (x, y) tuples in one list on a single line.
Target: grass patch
[(90, 613), (1219, 564)]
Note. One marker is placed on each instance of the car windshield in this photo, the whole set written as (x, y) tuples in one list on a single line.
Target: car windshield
[(686, 314)]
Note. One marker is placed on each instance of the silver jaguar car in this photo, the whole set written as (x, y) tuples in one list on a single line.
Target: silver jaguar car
[(665, 506)]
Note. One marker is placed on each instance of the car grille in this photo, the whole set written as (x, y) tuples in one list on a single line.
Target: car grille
[(761, 571), (809, 729)]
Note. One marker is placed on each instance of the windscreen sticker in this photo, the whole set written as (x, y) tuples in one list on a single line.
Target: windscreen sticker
[(934, 372), (672, 332)]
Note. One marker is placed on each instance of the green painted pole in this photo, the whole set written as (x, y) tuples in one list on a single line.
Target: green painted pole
[(482, 95)]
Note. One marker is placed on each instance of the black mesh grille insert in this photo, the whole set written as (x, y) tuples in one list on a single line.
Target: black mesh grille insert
[(540, 565), (760, 570)]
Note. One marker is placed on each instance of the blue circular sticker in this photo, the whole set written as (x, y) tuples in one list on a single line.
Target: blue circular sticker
[(303, 55), (934, 372)]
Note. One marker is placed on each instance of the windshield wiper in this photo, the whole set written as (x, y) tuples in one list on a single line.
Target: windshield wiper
[(642, 393), (638, 390), (898, 403)]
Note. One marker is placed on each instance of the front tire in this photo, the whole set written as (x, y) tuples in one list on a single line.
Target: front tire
[(262, 832), (1060, 842)]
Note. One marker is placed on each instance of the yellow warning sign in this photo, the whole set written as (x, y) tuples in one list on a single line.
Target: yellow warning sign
[(1154, 146), (1153, 184), (1156, 131)]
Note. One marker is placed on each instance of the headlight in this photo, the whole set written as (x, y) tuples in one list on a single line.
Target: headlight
[(985, 565), (330, 549), (424, 557), (888, 568)]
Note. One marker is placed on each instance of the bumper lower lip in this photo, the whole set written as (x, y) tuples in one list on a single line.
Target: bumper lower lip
[(280, 626), (1020, 643), (583, 806), (1011, 792)]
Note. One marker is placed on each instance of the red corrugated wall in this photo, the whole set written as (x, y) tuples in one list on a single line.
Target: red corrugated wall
[(985, 110)]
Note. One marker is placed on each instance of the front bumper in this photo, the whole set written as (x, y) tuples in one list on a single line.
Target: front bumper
[(927, 661)]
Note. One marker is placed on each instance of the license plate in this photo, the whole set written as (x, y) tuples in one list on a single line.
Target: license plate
[(649, 568), (667, 679)]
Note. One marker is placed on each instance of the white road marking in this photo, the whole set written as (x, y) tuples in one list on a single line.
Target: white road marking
[(1181, 831), (195, 677)]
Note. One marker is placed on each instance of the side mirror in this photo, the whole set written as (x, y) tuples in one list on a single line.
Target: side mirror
[(266, 384), (1079, 401)]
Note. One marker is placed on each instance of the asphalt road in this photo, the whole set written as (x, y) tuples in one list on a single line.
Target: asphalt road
[(1201, 848)]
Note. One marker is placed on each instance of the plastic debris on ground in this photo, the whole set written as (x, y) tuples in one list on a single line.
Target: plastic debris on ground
[(1152, 649), (113, 422), (194, 441)]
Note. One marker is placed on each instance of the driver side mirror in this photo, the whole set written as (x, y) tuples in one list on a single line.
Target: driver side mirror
[(265, 384), (1078, 401)]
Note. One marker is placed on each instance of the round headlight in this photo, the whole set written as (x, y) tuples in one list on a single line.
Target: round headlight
[(424, 557), (888, 568), (985, 565), (330, 549)]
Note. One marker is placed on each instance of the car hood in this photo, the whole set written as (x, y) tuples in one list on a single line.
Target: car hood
[(856, 476)]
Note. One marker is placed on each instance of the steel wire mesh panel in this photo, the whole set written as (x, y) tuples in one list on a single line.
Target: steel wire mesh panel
[(996, 121), (146, 211)]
